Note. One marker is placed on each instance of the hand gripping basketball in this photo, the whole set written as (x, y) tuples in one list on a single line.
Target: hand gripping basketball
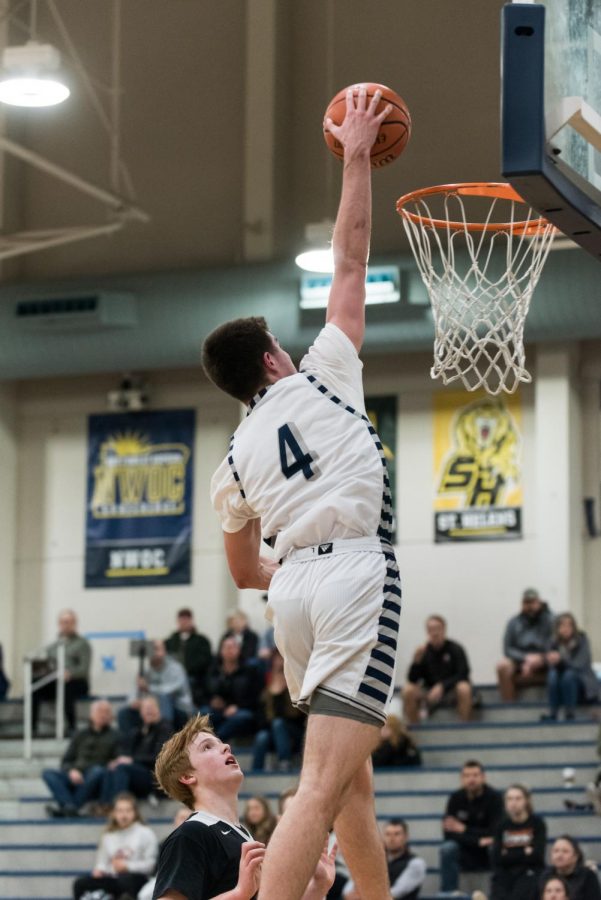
[(395, 126)]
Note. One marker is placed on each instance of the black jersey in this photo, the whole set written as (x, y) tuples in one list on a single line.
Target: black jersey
[(201, 858)]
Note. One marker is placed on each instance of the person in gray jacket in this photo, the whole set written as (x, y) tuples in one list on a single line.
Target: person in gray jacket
[(78, 656), (526, 642), (571, 678), (166, 679)]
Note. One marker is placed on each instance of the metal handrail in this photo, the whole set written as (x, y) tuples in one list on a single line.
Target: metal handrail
[(30, 686)]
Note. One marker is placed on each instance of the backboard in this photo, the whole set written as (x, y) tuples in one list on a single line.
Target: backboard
[(551, 112)]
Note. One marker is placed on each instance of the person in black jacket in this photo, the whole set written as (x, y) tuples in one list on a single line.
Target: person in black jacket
[(439, 671), (193, 651), (132, 770), (471, 818), (397, 747), (406, 871), (567, 862), (518, 850), (234, 688), (82, 768), (238, 627)]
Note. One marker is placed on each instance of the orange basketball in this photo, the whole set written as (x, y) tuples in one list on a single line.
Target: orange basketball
[(394, 131)]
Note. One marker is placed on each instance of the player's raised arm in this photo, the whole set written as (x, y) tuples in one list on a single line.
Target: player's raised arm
[(346, 305)]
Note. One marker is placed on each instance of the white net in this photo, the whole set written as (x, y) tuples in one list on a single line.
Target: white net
[(480, 279)]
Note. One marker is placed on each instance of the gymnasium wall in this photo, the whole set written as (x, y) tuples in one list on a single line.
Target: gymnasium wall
[(476, 586)]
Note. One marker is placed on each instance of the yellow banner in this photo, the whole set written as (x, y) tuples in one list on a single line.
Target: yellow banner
[(477, 466)]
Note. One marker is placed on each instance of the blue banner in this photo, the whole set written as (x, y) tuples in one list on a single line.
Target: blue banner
[(139, 498)]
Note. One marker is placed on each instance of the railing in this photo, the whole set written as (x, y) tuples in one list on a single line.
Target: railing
[(30, 687)]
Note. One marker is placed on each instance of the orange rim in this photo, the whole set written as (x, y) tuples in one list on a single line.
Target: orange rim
[(471, 189)]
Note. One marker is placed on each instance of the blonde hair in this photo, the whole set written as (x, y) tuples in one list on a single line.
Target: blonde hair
[(126, 797), (173, 761)]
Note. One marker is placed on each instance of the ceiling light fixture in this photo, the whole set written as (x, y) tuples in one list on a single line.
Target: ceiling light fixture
[(31, 76), (319, 256)]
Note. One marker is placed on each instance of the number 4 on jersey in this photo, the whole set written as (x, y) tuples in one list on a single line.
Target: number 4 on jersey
[(291, 443)]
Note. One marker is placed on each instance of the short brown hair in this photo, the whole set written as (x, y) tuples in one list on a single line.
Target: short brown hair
[(173, 761), (125, 796), (232, 356)]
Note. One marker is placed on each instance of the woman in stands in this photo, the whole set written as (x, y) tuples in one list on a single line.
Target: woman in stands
[(518, 850), (397, 747), (555, 888), (126, 857), (259, 819), (571, 678), (567, 862), (283, 725)]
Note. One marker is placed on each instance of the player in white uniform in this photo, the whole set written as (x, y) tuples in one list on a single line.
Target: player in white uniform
[(305, 471)]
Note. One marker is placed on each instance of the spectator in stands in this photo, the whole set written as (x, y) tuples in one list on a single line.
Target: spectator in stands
[(259, 819), (406, 871), (282, 725), (266, 642), (397, 747), (83, 765), (181, 816), (571, 678), (133, 769), (127, 854), (567, 862), (4, 682), (439, 672), (166, 680), (234, 688), (248, 640), (555, 888), (78, 655), (471, 818), (518, 851), (526, 643), (193, 651)]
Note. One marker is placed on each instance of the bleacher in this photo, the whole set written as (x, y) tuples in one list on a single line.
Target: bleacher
[(40, 857)]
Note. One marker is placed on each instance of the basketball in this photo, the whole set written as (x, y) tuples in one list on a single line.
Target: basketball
[(394, 132)]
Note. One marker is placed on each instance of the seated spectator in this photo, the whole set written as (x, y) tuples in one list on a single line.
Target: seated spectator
[(282, 724), (83, 765), (555, 888), (518, 850), (406, 871), (259, 819), (571, 678), (78, 655), (567, 862), (193, 651), (4, 682), (439, 672), (133, 769), (526, 642), (470, 821), (266, 642), (147, 891), (127, 854), (237, 627), (166, 680), (396, 747), (234, 688)]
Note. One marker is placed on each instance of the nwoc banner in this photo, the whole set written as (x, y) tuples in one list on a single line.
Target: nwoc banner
[(139, 498)]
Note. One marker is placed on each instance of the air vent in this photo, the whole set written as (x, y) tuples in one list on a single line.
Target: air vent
[(77, 312)]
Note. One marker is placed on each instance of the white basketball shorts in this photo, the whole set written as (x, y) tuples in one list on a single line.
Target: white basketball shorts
[(335, 609)]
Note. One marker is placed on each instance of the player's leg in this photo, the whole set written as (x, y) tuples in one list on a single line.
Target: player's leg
[(335, 750), (359, 837)]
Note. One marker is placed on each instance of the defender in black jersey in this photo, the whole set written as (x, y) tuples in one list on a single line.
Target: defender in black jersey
[(212, 855)]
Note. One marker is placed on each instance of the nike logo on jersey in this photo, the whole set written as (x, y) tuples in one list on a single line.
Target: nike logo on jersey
[(324, 548), (226, 832)]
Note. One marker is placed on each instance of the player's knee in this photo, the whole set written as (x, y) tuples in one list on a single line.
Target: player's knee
[(464, 689), (504, 667)]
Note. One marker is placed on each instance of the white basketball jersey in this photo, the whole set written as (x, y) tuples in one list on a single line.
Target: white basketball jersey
[(306, 460)]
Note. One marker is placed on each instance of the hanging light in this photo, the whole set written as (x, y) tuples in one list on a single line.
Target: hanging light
[(31, 76), (319, 256)]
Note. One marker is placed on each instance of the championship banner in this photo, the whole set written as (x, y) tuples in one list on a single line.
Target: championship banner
[(381, 412), (477, 467), (139, 498)]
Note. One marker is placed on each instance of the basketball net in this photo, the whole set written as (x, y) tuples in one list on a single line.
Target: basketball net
[(480, 277)]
